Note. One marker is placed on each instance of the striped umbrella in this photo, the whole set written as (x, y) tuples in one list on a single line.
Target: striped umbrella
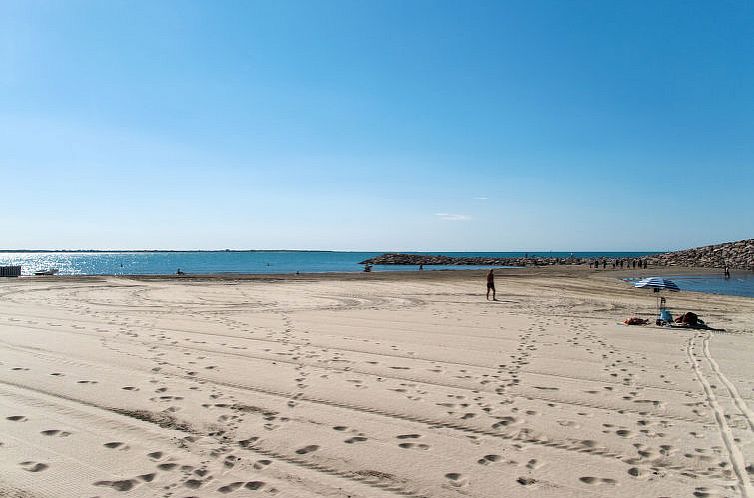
[(657, 284)]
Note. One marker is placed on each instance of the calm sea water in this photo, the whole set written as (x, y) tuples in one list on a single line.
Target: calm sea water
[(164, 263), (739, 284)]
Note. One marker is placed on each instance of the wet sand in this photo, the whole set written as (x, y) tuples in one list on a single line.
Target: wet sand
[(371, 385)]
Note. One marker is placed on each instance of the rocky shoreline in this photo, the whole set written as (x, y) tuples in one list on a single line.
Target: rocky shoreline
[(735, 255)]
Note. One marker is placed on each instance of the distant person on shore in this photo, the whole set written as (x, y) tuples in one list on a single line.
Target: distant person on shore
[(727, 272), (590, 264), (645, 264), (634, 263), (421, 267), (604, 264), (491, 285)]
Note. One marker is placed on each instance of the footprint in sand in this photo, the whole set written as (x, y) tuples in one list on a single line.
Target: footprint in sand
[(456, 479), (122, 485), (703, 492), (569, 423), (34, 466), (355, 439), (229, 488), (307, 449), (488, 459), (193, 483), (260, 464), (418, 446), (598, 481), (17, 418), (254, 485), (504, 421), (409, 436), (55, 432), (667, 450), (636, 472), (116, 445)]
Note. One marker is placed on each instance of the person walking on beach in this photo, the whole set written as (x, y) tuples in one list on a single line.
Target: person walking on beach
[(491, 285)]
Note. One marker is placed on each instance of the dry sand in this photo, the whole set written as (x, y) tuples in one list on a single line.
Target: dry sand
[(370, 385)]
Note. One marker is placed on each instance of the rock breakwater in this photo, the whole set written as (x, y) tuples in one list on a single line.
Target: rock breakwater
[(425, 259), (735, 255)]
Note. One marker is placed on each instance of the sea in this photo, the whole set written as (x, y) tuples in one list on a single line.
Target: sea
[(256, 262), (281, 262)]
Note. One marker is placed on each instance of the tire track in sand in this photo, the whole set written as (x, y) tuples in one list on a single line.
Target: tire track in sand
[(736, 456), (734, 394), (251, 445), (529, 396), (565, 445)]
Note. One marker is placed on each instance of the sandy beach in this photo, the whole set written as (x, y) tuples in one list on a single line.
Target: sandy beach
[(370, 385)]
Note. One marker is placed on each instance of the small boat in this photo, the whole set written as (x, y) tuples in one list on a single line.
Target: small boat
[(51, 271)]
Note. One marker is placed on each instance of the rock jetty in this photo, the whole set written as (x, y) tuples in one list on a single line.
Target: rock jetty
[(735, 255), (393, 258)]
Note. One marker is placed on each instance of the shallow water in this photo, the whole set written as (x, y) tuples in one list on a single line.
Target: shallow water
[(739, 284)]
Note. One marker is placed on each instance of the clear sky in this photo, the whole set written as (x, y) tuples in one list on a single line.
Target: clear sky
[(376, 125)]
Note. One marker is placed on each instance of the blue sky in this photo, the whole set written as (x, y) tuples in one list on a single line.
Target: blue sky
[(395, 125)]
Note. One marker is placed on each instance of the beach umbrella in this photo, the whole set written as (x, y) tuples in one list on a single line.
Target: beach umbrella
[(657, 284)]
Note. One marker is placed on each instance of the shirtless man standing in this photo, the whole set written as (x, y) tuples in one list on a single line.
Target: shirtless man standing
[(491, 285)]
